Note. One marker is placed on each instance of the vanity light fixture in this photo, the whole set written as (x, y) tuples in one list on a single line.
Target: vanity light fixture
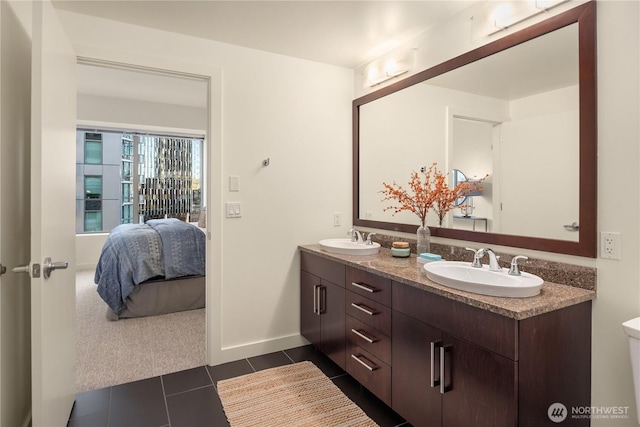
[(391, 69), (500, 15)]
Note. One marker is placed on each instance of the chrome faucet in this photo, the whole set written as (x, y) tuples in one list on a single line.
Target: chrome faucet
[(355, 235), (515, 268), (493, 258), (369, 241)]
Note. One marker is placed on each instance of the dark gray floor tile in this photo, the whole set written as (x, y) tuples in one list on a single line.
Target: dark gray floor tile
[(196, 408), (310, 353), (97, 419), (138, 404), (91, 402), (270, 360), (377, 410), (229, 370), (189, 379)]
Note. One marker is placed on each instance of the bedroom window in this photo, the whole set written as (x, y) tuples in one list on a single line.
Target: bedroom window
[(93, 148), (93, 203), (131, 178)]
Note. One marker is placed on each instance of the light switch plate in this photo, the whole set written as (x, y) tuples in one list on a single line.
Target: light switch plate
[(234, 183), (234, 209)]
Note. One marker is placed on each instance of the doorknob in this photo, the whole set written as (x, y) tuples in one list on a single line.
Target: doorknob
[(572, 227), (49, 266)]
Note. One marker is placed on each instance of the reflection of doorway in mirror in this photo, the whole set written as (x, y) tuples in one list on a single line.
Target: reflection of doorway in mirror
[(471, 151)]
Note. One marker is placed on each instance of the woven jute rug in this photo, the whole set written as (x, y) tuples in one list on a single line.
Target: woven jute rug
[(292, 395)]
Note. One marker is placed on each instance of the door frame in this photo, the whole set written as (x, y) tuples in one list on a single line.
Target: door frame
[(213, 173)]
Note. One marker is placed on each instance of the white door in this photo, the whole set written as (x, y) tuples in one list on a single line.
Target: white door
[(15, 113), (53, 102), (544, 208)]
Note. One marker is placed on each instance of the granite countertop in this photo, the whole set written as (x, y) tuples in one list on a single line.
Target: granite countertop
[(410, 272)]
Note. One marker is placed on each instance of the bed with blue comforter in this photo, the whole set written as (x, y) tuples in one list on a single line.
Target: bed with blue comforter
[(153, 262)]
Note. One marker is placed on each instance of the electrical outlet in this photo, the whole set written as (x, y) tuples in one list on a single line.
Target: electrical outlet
[(337, 219), (610, 245)]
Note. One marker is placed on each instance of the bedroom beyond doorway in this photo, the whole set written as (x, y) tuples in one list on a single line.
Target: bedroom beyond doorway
[(110, 353)]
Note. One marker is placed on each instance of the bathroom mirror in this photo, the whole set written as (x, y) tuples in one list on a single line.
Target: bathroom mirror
[(409, 125)]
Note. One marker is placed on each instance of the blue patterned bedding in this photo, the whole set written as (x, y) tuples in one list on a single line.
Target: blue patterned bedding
[(134, 253)]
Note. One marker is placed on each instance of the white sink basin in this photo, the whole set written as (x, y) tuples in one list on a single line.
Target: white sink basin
[(462, 276), (347, 247)]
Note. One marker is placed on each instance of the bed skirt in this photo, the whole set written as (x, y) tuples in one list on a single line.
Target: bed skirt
[(156, 297)]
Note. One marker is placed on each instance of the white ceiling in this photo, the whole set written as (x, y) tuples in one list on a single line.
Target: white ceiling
[(342, 33)]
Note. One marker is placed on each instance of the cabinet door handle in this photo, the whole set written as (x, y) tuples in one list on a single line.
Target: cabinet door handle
[(315, 299), (364, 337), (364, 287), (369, 367), (434, 382), (322, 293), (364, 309), (443, 388)]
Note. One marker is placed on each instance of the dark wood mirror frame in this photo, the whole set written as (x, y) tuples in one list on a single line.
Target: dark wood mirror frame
[(585, 16)]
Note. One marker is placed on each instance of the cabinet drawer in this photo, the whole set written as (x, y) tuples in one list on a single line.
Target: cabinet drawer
[(369, 285), (369, 338), (370, 371), (368, 311), (322, 267)]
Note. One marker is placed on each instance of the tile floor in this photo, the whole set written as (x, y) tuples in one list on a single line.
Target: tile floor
[(189, 398)]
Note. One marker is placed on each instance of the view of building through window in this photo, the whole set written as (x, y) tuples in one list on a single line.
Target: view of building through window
[(125, 178)]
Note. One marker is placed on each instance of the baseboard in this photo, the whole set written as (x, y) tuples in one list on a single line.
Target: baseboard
[(230, 354), (85, 267)]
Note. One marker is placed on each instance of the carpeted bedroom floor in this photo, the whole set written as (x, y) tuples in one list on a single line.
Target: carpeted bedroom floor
[(111, 353)]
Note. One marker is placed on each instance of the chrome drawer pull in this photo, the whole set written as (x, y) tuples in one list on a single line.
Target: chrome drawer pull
[(364, 337), (371, 368), (364, 287), (365, 310)]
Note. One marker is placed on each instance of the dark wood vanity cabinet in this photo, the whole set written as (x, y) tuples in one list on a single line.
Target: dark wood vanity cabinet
[(441, 362), (472, 387), (322, 296), (456, 365)]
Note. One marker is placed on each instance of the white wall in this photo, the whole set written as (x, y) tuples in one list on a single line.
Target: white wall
[(295, 112), (618, 33)]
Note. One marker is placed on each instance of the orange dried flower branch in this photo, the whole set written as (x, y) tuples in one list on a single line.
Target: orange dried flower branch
[(419, 201), (423, 195)]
